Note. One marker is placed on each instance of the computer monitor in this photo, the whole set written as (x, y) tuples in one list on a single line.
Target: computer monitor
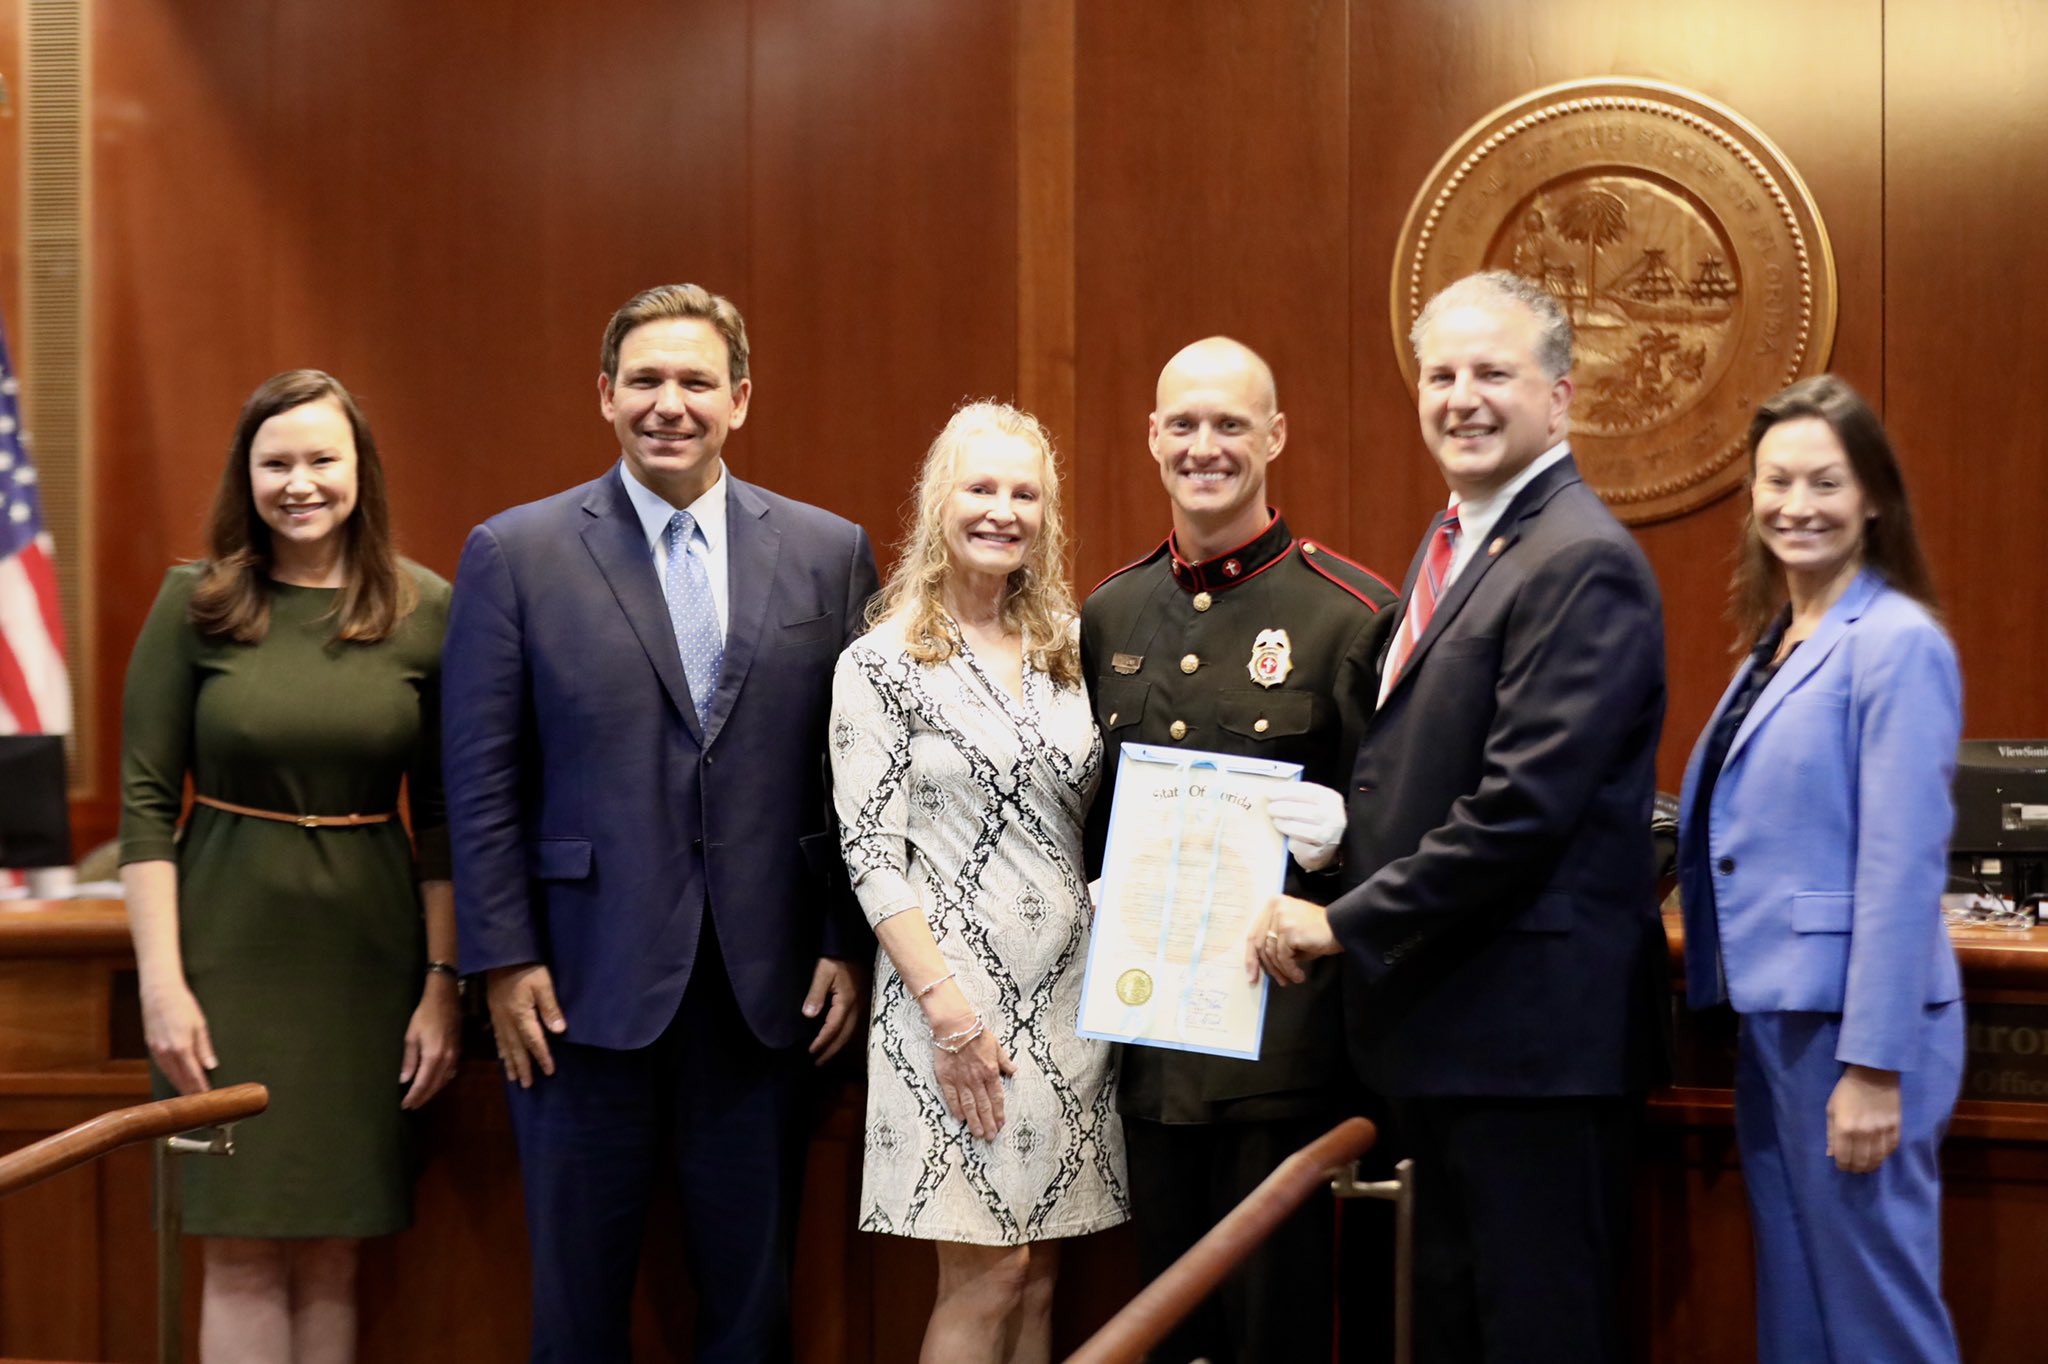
[(35, 812), (2001, 836)]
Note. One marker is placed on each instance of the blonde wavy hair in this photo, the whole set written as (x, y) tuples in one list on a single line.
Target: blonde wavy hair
[(1038, 602)]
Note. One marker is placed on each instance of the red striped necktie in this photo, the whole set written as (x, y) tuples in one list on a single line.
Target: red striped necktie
[(1429, 585)]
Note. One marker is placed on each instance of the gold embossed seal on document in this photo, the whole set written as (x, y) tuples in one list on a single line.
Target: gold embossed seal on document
[(1690, 256), (1134, 987)]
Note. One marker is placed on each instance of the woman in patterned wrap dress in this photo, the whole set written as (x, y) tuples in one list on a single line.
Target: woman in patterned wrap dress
[(963, 757)]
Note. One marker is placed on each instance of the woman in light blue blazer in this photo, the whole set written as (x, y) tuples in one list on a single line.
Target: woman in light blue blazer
[(1812, 855)]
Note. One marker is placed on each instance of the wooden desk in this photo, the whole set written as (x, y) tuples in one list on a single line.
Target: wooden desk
[(1695, 1264), (78, 1252)]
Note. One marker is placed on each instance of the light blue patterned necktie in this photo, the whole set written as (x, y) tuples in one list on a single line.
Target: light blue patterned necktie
[(692, 614)]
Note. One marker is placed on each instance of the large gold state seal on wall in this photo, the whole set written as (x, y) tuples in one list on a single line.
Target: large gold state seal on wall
[(1688, 252)]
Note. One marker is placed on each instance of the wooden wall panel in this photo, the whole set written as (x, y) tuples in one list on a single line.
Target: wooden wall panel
[(52, 1226), (1045, 218), (441, 206), (1966, 325), (181, 250), (1810, 76), (462, 194), (1211, 196), (518, 176), (11, 96), (883, 235), (920, 202)]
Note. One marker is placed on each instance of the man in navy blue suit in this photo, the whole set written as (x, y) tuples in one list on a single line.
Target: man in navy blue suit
[(1504, 960), (636, 682)]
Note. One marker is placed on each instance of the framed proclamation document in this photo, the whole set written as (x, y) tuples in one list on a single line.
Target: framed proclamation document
[(1192, 858)]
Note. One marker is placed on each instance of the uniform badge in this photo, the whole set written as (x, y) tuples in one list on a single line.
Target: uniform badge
[(1272, 658), (1126, 664)]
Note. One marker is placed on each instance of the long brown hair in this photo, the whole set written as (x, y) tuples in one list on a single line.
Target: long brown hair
[(232, 600), (1890, 546), (1038, 602)]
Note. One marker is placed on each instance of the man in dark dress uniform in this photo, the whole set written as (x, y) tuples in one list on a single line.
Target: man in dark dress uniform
[(1233, 636)]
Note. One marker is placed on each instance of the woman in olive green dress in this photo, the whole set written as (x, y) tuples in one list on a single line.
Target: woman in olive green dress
[(293, 673)]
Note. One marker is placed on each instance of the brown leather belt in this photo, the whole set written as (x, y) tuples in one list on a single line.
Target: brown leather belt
[(303, 821)]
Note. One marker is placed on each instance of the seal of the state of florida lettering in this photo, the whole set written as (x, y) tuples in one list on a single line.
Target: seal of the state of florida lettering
[(1687, 251)]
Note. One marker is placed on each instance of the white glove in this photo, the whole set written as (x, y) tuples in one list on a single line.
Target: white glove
[(1311, 818)]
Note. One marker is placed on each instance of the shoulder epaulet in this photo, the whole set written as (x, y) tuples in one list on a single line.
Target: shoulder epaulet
[(1355, 578), (1157, 550)]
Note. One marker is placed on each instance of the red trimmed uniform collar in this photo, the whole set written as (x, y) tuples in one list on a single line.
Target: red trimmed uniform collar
[(1226, 570)]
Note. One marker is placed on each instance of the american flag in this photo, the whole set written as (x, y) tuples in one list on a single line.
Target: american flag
[(35, 693)]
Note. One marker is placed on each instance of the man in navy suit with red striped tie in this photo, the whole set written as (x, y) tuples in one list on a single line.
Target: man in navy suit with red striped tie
[(1504, 959)]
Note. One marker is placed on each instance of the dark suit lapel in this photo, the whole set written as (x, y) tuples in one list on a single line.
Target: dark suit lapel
[(753, 545), (615, 540), (1506, 531), (1807, 657)]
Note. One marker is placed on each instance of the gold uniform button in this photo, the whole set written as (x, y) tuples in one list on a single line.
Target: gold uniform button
[(1261, 726), (1178, 729), (1188, 663), (1203, 601), (1112, 717)]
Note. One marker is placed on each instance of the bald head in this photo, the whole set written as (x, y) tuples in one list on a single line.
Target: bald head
[(1217, 426), (1220, 360)]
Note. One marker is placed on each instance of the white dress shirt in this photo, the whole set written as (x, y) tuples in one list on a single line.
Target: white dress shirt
[(1476, 519), (1477, 515), (709, 544)]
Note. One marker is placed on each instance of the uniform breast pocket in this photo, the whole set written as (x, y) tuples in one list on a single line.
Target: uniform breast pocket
[(1263, 716), (1120, 701)]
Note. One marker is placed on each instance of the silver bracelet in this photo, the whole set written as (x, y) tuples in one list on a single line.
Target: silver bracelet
[(933, 986), (954, 1043), (954, 1036)]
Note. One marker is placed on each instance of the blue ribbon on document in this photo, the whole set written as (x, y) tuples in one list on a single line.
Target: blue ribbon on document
[(1134, 1014)]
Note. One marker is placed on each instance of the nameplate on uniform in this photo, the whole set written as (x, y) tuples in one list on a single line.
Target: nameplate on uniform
[(1126, 663)]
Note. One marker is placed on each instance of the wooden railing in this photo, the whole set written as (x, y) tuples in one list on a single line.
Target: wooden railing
[(1145, 1321), (94, 1138)]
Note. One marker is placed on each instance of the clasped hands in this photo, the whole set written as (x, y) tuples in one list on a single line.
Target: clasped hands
[(1284, 936), (1288, 932)]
